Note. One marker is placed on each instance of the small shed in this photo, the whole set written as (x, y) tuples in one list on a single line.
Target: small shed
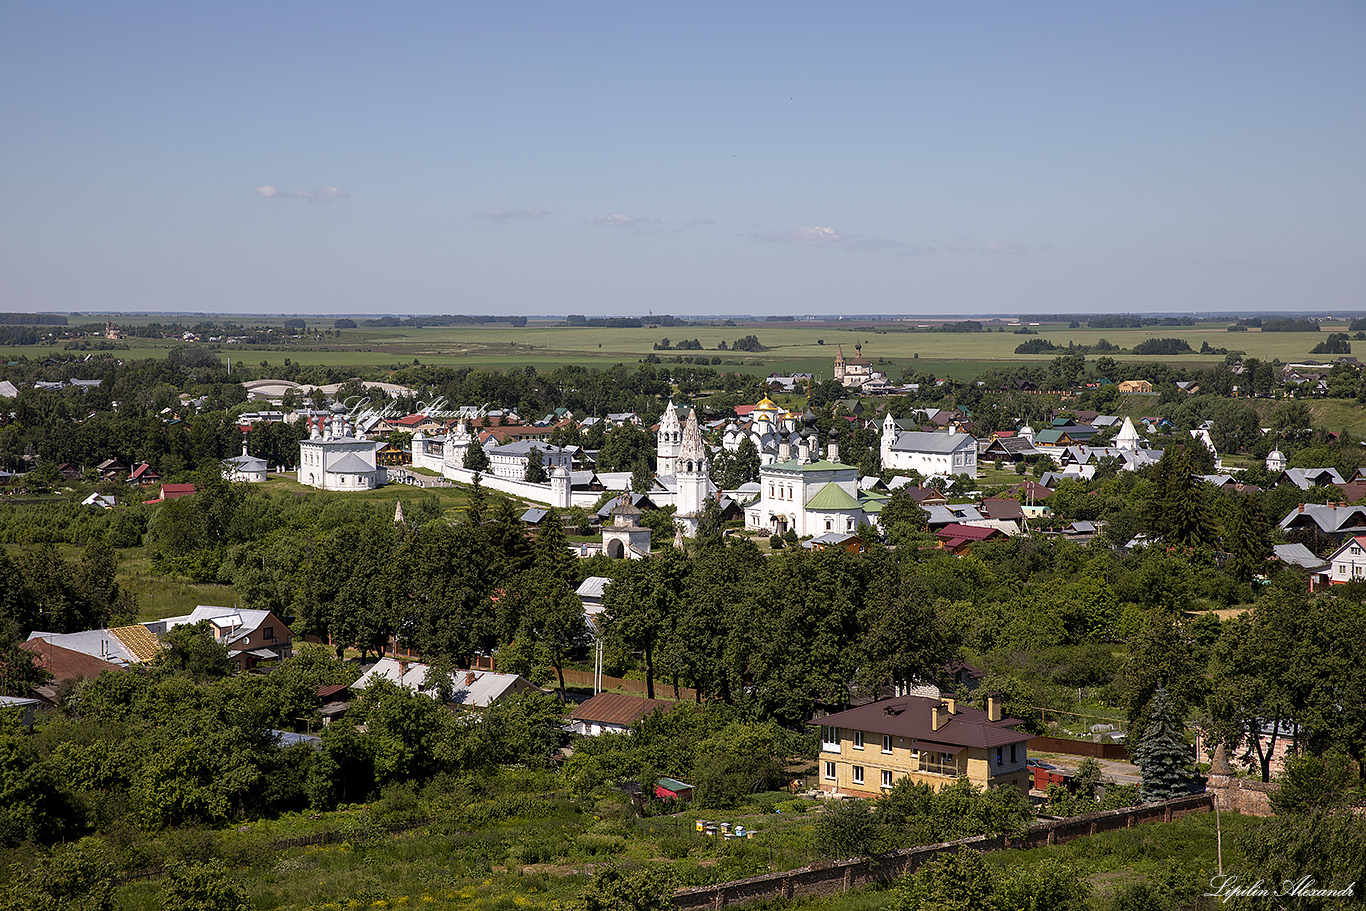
[(672, 789)]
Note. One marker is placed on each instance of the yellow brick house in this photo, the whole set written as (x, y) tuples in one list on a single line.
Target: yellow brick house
[(866, 750)]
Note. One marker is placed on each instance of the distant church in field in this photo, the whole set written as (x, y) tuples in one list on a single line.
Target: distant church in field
[(856, 372)]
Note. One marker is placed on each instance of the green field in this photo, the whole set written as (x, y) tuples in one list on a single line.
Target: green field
[(793, 348)]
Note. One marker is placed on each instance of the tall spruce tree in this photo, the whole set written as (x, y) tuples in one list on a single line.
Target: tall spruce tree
[(1161, 754), (1247, 538), (475, 457)]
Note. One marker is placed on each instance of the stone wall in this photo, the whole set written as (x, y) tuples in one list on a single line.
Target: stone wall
[(1242, 795), (832, 878), (539, 493)]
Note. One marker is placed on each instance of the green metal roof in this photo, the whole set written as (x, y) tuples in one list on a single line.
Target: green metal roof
[(832, 496), (818, 465)]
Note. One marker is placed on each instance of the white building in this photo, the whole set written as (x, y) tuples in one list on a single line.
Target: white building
[(468, 689), (930, 453), (856, 372), (245, 468), (668, 441), (692, 476), (339, 460), (1348, 562), (806, 495)]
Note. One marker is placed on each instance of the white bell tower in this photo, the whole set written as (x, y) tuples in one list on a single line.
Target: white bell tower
[(669, 442)]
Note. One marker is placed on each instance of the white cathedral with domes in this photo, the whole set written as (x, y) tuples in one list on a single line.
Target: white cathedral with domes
[(339, 460)]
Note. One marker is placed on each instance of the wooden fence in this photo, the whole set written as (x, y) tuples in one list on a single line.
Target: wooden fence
[(1114, 751), (663, 689), (833, 878)]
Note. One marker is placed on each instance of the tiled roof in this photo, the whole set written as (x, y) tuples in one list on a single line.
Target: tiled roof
[(138, 639)]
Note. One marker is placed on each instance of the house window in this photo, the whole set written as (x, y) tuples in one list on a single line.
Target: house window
[(858, 740), (830, 739), (1012, 753), (830, 526), (886, 778), (858, 774), (1000, 757), (886, 743), (830, 771), (269, 634)]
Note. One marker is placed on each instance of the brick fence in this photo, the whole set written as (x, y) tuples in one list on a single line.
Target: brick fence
[(834, 877), (1242, 795)]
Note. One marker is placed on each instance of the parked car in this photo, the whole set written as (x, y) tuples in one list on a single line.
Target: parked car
[(1039, 764)]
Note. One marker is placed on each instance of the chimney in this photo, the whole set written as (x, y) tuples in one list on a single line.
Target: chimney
[(402, 666), (1301, 507), (951, 704), (938, 717), (994, 707), (469, 677)]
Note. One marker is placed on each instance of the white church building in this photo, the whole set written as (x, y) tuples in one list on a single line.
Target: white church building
[(804, 493), (929, 452), (339, 460)]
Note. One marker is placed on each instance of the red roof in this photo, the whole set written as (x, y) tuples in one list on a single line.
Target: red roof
[(957, 532), (143, 471), (173, 491), (411, 420), (64, 663)]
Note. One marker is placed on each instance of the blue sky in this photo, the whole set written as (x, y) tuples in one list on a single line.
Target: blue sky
[(703, 158)]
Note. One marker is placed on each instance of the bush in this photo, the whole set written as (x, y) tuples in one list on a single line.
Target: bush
[(776, 542), (593, 845)]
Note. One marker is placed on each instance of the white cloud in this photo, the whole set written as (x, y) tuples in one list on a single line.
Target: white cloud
[(617, 220), (814, 236), (501, 215), (322, 194), (965, 245)]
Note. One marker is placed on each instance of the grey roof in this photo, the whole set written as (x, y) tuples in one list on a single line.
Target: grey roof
[(349, 463), (1298, 555), (1329, 519), (522, 447), (246, 463), (929, 441), (593, 587), (948, 515), (534, 515), (1305, 478)]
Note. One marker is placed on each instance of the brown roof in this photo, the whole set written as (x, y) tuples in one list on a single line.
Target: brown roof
[(910, 716), (615, 708), (1002, 509), (65, 663)]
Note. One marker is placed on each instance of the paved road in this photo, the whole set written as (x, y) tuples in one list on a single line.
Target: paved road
[(1119, 772)]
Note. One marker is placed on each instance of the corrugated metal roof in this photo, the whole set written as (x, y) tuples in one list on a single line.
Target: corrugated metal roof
[(617, 708), (832, 496), (910, 716)]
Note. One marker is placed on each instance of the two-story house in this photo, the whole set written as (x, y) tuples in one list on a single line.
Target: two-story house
[(1345, 564), (866, 750)]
